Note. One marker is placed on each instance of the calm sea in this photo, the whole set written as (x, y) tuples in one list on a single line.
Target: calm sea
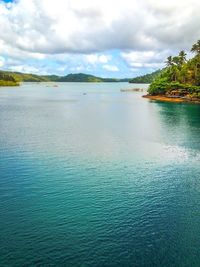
[(91, 176)]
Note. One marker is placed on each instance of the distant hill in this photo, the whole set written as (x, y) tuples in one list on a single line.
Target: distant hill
[(81, 77), (147, 78), (78, 77)]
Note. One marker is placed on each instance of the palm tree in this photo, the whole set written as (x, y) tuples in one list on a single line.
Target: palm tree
[(175, 68), (170, 65), (169, 61), (182, 57), (173, 63), (196, 49), (176, 61)]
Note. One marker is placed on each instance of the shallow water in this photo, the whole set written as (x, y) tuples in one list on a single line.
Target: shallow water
[(98, 179)]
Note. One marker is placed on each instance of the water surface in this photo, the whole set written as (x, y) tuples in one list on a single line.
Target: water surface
[(91, 176)]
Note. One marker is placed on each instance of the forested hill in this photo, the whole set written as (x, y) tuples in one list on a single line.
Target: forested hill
[(147, 78), (181, 77), (79, 77)]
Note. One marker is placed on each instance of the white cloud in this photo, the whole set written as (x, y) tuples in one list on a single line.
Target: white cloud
[(145, 31), (77, 68), (25, 69), (92, 59), (110, 68), (62, 26), (146, 59), (2, 61), (95, 58), (103, 59)]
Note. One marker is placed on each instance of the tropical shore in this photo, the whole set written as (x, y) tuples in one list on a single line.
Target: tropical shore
[(163, 98)]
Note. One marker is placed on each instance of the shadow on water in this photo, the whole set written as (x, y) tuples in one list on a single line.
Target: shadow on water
[(180, 123)]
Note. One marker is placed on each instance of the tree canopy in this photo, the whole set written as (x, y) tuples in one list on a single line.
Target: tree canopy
[(180, 74)]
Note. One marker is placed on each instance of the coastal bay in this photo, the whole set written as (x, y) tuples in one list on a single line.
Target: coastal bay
[(92, 175)]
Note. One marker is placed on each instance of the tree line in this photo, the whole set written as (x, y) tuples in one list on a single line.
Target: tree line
[(179, 73)]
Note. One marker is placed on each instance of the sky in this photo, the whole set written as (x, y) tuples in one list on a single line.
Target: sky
[(106, 38)]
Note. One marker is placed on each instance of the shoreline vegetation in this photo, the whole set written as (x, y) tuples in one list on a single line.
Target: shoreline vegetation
[(8, 80), (179, 81), (8, 83)]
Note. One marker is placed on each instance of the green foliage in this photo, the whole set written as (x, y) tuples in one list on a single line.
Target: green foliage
[(148, 78), (158, 87), (196, 48), (80, 77), (179, 74), (7, 79), (8, 83)]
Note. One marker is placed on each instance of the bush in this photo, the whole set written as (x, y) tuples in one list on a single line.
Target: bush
[(158, 87), (8, 83), (161, 86), (194, 89)]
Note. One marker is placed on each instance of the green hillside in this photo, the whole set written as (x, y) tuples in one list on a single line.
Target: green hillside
[(181, 77), (147, 78), (80, 77)]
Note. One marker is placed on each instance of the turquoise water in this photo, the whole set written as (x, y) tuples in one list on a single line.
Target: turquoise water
[(98, 179)]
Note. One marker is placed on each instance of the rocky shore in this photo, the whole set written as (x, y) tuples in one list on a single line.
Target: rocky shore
[(173, 99)]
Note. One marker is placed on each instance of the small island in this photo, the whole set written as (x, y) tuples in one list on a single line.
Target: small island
[(179, 81)]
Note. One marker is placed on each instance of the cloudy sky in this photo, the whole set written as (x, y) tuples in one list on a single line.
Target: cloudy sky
[(108, 38)]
